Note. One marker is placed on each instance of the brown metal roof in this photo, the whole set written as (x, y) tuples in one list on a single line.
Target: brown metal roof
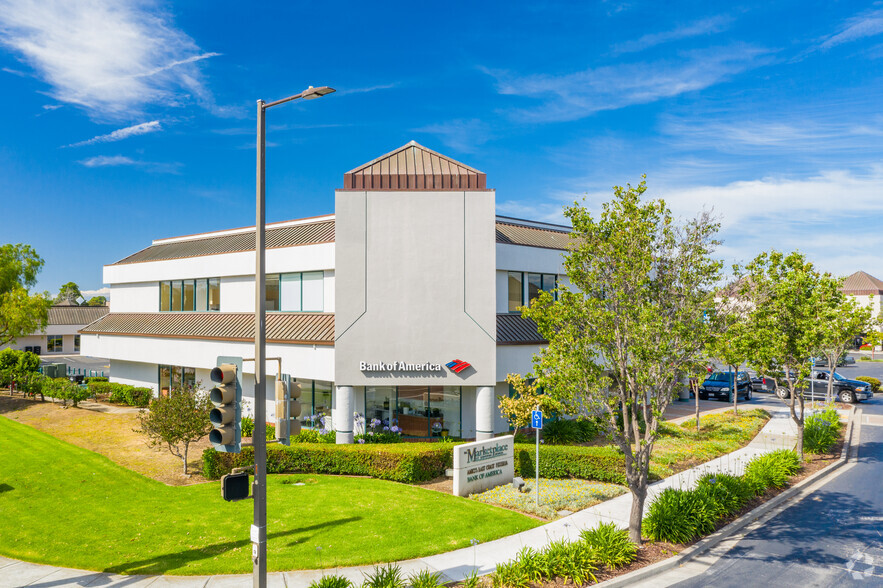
[(515, 234), (305, 234), (75, 315), (414, 167), (282, 327), (862, 284), (514, 329)]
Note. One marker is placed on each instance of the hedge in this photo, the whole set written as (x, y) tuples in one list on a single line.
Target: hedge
[(604, 464), (405, 462), (121, 393)]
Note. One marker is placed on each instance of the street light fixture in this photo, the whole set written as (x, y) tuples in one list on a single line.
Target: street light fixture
[(259, 489)]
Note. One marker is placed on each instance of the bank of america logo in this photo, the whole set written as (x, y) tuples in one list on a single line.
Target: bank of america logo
[(457, 366)]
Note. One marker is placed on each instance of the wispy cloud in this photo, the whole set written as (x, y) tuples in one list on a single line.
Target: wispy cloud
[(14, 72), (120, 134), (48, 107), (366, 89), (464, 135), (122, 160), (707, 26), (577, 95), (858, 27), (112, 57)]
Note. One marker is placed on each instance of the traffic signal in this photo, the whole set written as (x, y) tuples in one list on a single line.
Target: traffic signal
[(288, 409), (226, 395)]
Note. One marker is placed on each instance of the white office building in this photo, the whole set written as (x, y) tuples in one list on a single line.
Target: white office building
[(400, 305)]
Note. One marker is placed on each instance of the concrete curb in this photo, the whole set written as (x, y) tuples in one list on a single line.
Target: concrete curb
[(714, 539)]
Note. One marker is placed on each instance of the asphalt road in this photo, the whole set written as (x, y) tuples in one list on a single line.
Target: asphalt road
[(833, 537)]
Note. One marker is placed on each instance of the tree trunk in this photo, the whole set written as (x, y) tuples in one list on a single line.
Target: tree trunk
[(184, 457), (735, 390), (829, 393), (799, 447), (694, 383), (639, 495)]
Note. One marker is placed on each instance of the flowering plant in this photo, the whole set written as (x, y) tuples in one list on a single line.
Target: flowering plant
[(376, 431)]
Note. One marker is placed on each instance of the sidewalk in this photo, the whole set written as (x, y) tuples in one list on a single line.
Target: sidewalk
[(778, 433)]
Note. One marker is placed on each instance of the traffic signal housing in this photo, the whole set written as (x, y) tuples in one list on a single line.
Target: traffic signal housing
[(288, 409), (226, 395)]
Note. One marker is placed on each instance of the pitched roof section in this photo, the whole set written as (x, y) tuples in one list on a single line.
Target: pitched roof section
[(287, 236), (282, 327), (413, 167), (514, 329), (516, 234), (75, 315), (862, 284)]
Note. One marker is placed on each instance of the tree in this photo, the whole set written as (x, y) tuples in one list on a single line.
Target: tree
[(96, 301), (177, 420), (69, 292), (20, 312), (841, 318), (527, 398), (634, 321), (728, 342), (786, 294)]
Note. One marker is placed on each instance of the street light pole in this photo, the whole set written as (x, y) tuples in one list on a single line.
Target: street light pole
[(259, 437)]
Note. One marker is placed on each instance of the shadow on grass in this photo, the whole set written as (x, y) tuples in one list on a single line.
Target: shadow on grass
[(169, 562), (5, 488), (13, 403)]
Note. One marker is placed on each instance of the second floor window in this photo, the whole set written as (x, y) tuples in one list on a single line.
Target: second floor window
[(536, 283), (296, 292), (199, 295)]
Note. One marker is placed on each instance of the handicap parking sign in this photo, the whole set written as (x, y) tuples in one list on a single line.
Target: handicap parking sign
[(536, 419)]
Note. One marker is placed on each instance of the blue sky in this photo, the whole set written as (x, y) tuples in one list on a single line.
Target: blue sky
[(125, 121)]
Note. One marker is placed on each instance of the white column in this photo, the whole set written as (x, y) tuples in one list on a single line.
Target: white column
[(485, 407), (343, 414)]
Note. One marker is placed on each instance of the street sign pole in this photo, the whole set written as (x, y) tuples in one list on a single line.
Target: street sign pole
[(536, 418)]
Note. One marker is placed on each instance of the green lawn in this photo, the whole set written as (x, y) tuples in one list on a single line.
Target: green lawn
[(63, 505)]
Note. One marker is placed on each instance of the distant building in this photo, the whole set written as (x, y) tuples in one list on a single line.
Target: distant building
[(862, 286), (60, 335)]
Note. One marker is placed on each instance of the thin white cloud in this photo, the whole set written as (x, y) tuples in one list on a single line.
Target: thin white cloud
[(14, 72), (464, 135), (122, 160), (49, 107), (120, 134), (112, 57), (108, 160), (706, 26), (99, 292), (858, 27), (366, 89), (577, 95)]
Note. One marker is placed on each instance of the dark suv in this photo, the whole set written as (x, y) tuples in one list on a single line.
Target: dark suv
[(816, 387), (720, 385)]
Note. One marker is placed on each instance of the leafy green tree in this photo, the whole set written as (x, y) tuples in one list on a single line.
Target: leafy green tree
[(527, 398), (786, 294), (96, 301), (634, 322), (20, 312), (728, 343), (841, 318), (69, 292), (177, 420)]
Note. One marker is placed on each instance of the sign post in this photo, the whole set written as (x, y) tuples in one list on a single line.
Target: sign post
[(536, 421)]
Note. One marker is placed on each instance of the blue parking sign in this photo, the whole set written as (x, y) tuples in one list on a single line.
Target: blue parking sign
[(536, 419)]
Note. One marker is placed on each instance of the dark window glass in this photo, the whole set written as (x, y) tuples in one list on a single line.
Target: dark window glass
[(177, 294), (189, 299), (534, 285), (549, 282), (202, 295), (273, 292), (165, 296), (53, 344), (516, 291), (76, 343), (214, 294)]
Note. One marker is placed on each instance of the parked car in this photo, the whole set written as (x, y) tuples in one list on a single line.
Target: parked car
[(823, 361), (763, 384), (816, 388), (719, 385)]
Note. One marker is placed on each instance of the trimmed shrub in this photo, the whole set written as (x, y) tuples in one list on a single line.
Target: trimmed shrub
[(400, 462), (820, 431), (771, 470), (604, 464), (117, 393), (874, 382), (612, 546), (64, 389), (96, 379)]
